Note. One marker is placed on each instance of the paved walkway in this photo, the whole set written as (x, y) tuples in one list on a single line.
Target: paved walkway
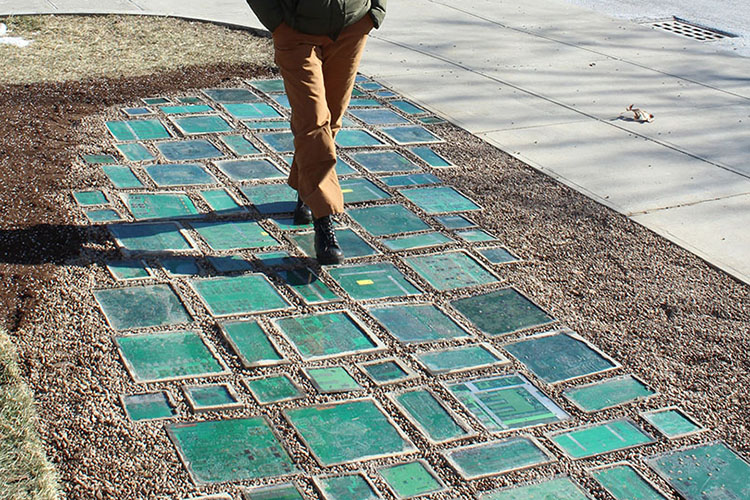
[(547, 83)]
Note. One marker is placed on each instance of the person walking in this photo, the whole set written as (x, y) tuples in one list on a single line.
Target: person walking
[(318, 45)]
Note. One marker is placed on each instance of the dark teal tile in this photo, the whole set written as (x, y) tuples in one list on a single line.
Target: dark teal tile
[(180, 266), (386, 220), (357, 189), (455, 221), (501, 311), (384, 162), (451, 270), (351, 243), (280, 142), (188, 150), (271, 198)]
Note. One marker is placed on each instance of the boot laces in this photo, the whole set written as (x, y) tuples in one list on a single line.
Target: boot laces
[(326, 232)]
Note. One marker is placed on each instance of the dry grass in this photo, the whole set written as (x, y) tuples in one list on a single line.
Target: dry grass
[(79, 47), (25, 472)]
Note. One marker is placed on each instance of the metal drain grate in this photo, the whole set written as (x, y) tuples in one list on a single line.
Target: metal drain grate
[(690, 30)]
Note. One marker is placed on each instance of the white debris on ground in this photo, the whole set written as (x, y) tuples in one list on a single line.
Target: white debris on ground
[(11, 40)]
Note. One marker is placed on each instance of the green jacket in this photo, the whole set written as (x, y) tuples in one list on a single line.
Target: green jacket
[(317, 17)]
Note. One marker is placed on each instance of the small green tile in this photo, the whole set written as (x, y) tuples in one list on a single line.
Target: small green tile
[(250, 170), (560, 488), (557, 357), (387, 220), (379, 116), (141, 306), (356, 138), (364, 102), (350, 242), (350, 431), (231, 95), (388, 371), (103, 215), (280, 142), (430, 415), (135, 152), (234, 235), (150, 237), (671, 423), (134, 112), (186, 109), (414, 241), (431, 120), (624, 483), (436, 200), (410, 180), (497, 457), (497, 255), (245, 294), (454, 221), (501, 312), (250, 343), (156, 357), (269, 86), (326, 335), (412, 479), (330, 380), (221, 202), (273, 389), (239, 145), (430, 157), (89, 198), (194, 149), (451, 270), (592, 440), (159, 205), (277, 492), (347, 487), (190, 100), (229, 263), (417, 323), (208, 397), (380, 162), (373, 281), (411, 134), (148, 406), (407, 107), (506, 402), (100, 159), (202, 124), (137, 130), (252, 111), (475, 235), (308, 286), (153, 101), (271, 198), (457, 359), (180, 174), (180, 266), (121, 177), (607, 393), (230, 450), (128, 269), (357, 189)]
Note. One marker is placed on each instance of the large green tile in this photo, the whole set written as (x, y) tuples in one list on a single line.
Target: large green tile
[(273, 389), (186, 150), (412, 479), (121, 177), (386, 220), (141, 306), (624, 483), (430, 157), (273, 86), (430, 415), (671, 423), (373, 281), (357, 189), (180, 174), (251, 343), (560, 488), (231, 95), (202, 124), (271, 198), (450, 270), (137, 130), (407, 107), (159, 205), (497, 457), (356, 138), (346, 487), (607, 393), (501, 312), (592, 440), (308, 286), (455, 359), (135, 152), (239, 145), (438, 200), (151, 237), (221, 202), (410, 134), (245, 294), (350, 242), (250, 170), (417, 323), (380, 162), (252, 111), (332, 379), (234, 235)]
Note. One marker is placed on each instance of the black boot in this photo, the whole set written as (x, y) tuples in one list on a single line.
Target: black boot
[(302, 213), (327, 249)]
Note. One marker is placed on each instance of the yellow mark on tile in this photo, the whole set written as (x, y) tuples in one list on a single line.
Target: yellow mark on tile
[(365, 282), (347, 190), (263, 233)]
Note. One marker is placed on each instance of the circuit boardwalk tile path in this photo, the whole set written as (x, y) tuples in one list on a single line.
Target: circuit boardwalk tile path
[(415, 369)]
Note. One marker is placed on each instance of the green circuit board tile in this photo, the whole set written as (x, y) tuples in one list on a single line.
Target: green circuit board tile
[(430, 415), (286, 491), (560, 488), (380, 162), (274, 86), (501, 312), (186, 109), (103, 215), (437, 200), (245, 294), (231, 95), (100, 159), (282, 100), (497, 457), (156, 357), (410, 134), (497, 255), (150, 237), (273, 389), (239, 145), (430, 157), (356, 138), (137, 130), (592, 440), (179, 174), (308, 286), (145, 206), (373, 281), (410, 180), (194, 149), (267, 125), (671, 423), (121, 176), (607, 393), (475, 235), (458, 359), (128, 270), (202, 124), (350, 431), (357, 189), (280, 142), (148, 406), (221, 202), (386, 371), (412, 479), (252, 111), (431, 120), (558, 357), (234, 235), (250, 170), (417, 323), (414, 241), (364, 102), (387, 220), (141, 306), (624, 483), (706, 471), (218, 451), (89, 198), (451, 270), (229, 263), (331, 380), (351, 243), (154, 101), (135, 152), (251, 343), (347, 487), (211, 397), (407, 107), (379, 116), (454, 221), (506, 402), (275, 259), (327, 335), (271, 198), (180, 266)]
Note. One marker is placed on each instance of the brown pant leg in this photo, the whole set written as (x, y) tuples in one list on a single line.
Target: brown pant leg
[(313, 173)]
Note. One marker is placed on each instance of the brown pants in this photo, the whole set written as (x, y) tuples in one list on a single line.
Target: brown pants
[(318, 77)]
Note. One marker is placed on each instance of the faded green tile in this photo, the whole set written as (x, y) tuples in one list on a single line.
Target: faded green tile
[(273, 389), (252, 111), (407, 107), (250, 343), (497, 457), (103, 215), (462, 358), (287, 224), (334, 379), (410, 134), (180, 266), (589, 441), (128, 269), (410, 180), (269, 86), (180, 174), (501, 312), (271, 198), (386, 220), (153, 101), (671, 422), (388, 371), (380, 116), (149, 406), (431, 120), (364, 102), (135, 152), (356, 138), (267, 125), (280, 142), (221, 202), (411, 479), (190, 100), (202, 124), (251, 170), (245, 294), (231, 95), (89, 198), (346, 487), (150, 237), (475, 235), (450, 270), (308, 286), (497, 255), (607, 393), (380, 162), (414, 241), (186, 109), (430, 415), (121, 176), (343, 167), (624, 483), (373, 281), (137, 130), (213, 396), (436, 200), (145, 206), (234, 235), (371, 86), (195, 149), (350, 242), (141, 306), (417, 323), (282, 100), (239, 145), (560, 488), (229, 263), (454, 221), (430, 157), (357, 189), (277, 492)]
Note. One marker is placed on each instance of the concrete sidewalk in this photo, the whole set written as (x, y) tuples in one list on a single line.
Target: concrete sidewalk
[(548, 83)]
